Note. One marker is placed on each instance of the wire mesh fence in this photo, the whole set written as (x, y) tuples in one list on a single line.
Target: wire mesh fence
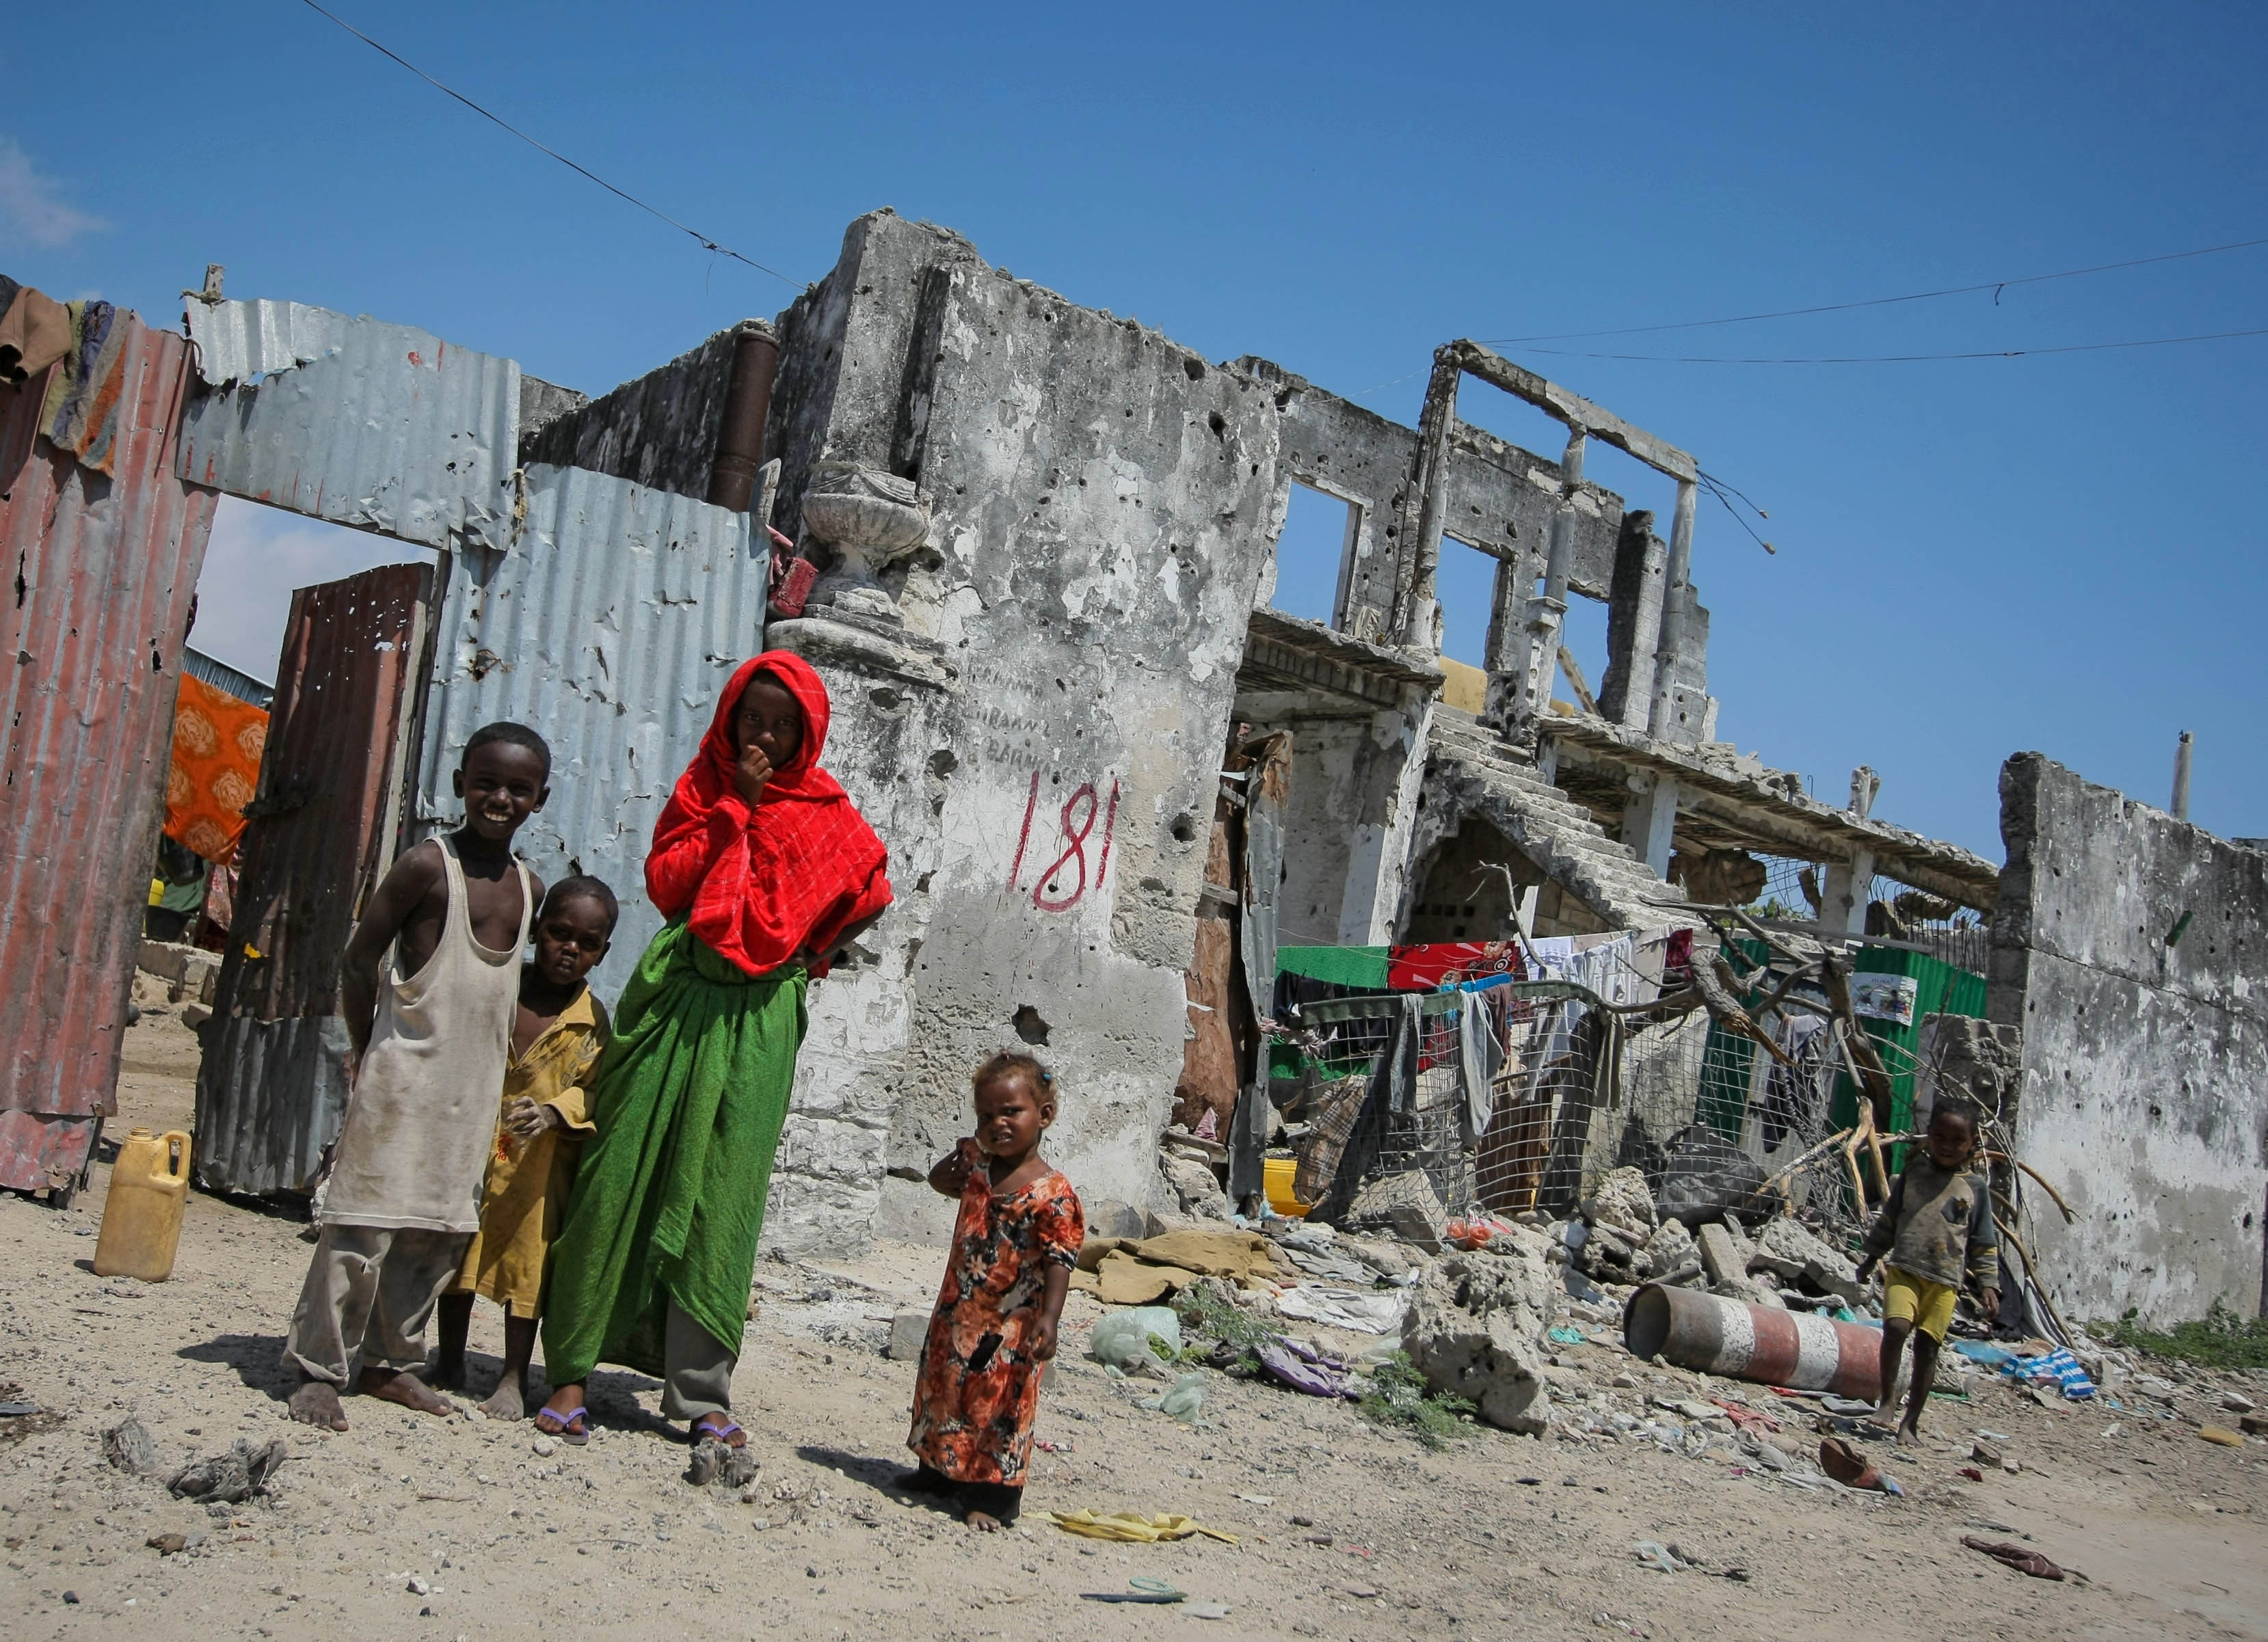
[(1520, 1095)]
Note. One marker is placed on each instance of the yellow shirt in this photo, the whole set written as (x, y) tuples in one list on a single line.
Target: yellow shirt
[(523, 1199)]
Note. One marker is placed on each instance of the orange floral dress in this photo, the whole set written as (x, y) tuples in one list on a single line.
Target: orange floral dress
[(979, 1391)]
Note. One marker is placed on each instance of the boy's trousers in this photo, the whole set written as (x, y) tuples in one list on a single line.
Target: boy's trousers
[(368, 1294)]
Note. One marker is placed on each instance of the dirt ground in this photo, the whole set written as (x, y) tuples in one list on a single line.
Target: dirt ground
[(412, 1526)]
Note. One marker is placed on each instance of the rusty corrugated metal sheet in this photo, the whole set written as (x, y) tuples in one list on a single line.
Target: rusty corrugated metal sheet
[(105, 569), (333, 782), (385, 427), (608, 626)]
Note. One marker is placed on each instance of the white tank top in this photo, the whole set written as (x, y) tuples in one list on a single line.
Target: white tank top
[(422, 1119)]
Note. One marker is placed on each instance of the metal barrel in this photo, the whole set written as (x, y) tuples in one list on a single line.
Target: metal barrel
[(1742, 1342)]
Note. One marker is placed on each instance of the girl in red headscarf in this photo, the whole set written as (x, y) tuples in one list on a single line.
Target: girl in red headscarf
[(763, 868)]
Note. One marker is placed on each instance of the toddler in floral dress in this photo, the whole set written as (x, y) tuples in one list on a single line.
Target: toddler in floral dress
[(993, 1333)]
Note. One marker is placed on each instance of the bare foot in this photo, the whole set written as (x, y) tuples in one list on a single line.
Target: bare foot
[(1908, 1437), (721, 1427), (406, 1388), (982, 1522), (508, 1401), (316, 1403)]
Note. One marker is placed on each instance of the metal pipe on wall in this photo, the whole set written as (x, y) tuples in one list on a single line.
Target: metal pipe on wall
[(2182, 777), (747, 407)]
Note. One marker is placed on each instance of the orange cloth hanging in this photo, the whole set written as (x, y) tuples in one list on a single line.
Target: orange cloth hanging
[(217, 741)]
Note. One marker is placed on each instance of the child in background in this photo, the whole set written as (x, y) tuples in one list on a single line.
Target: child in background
[(1935, 1226), (430, 1033), (993, 1333), (556, 1040)]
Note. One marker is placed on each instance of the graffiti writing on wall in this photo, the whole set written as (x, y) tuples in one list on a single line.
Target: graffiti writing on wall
[(1066, 877)]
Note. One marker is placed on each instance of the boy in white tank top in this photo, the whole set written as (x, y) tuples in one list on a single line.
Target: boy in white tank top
[(430, 1037)]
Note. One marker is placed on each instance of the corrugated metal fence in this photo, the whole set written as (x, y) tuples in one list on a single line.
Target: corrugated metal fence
[(608, 626), (105, 568)]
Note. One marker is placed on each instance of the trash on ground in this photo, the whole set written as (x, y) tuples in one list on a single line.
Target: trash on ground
[(238, 1475), (2015, 1556), (1305, 1369), (1184, 1400), (1344, 1308), (1124, 1340), (1133, 1529)]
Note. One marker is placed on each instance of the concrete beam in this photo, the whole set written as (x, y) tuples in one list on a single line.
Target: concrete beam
[(1574, 410), (1650, 821), (1843, 898)]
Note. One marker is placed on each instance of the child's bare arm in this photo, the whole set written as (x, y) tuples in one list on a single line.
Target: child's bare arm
[(949, 1176), (1039, 1344), (414, 877)]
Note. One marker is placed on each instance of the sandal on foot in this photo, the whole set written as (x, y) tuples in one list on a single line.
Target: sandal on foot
[(723, 1433), (564, 1424)]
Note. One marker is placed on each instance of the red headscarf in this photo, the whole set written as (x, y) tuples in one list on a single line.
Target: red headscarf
[(792, 875)]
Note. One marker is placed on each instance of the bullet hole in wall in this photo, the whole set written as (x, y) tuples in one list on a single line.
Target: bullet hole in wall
[(1031, 1026)]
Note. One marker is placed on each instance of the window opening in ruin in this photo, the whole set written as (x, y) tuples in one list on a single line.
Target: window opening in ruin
[(1464, 586), (1583, 634), (1311, 555), (1584, 629), (256, 557)]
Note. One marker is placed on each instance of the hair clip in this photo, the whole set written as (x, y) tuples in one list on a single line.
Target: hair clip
[(1045, 1076)]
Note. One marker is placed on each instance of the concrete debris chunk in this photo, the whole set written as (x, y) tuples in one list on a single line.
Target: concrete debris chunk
[(128, 1448), (1720, 1257), (1789, 1251), (1195, 1189), (1471, 1330), (1670, 1250), (241, 1474), (1404, 1205), (908, 1333), (1623, 1203)]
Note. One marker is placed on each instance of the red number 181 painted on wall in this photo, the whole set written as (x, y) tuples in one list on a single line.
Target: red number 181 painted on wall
[(1049, 892)]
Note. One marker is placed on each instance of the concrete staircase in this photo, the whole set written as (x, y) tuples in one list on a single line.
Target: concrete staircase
[(1471, 766)]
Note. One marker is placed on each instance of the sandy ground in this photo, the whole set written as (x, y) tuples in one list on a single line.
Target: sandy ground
[(410, 1526)]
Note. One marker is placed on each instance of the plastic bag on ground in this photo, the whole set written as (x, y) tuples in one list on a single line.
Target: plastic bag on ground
[(1184, 1400), (1705, 1177), (1123, 1338)]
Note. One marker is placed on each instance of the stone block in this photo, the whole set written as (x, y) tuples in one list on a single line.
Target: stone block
[(1720, 1256), (1404, 1205), (1472, 1329), (1625, 1203), (909, 1330), (1195, 1186)]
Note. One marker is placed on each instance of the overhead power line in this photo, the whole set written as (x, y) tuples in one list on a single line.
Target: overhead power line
[(1898, 359), (705, 242), (1995, 286)]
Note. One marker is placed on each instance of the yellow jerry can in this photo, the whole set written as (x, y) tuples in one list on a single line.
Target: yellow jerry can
[(142, 1217)]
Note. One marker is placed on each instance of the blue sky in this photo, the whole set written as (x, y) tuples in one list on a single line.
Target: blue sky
[(2061, 552)]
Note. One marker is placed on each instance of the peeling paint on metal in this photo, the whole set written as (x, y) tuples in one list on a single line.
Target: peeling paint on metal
[(608, 626), (103, 570), (272, 1091), (383, 427)]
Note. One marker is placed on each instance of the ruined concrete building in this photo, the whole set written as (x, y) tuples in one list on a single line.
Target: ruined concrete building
[(1112, 777)]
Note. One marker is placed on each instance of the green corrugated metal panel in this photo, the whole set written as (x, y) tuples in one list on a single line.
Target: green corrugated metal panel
[(1361, 967), (1940, 989)]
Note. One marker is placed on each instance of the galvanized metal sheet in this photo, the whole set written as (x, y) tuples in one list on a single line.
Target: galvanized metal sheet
[(608, 625), (320, 832), (383, 427), (236, 341), (45, 1151), (105, 567), (222, 676)]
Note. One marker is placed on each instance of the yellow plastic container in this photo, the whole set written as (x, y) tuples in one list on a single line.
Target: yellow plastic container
[(142, 1217), (1278, 1174)]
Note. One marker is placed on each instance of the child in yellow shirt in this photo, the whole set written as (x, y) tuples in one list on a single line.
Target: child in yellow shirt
[(557, 1038)]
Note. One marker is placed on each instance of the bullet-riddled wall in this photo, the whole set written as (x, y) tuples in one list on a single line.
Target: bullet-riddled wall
[(2132, 950), (1103, 506)]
